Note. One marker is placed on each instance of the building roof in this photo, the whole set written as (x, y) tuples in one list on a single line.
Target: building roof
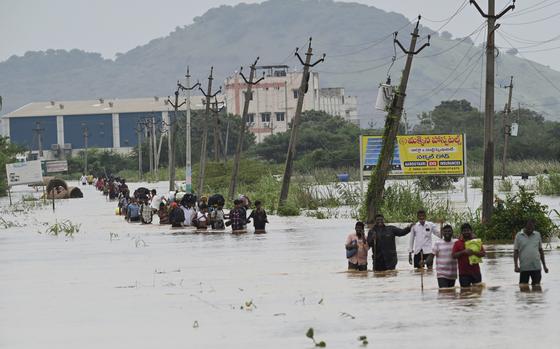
[(99, 106)]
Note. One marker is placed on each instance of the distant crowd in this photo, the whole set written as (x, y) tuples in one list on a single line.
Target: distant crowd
[(180, 209)]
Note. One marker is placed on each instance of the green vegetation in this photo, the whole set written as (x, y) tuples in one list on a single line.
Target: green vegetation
[(459, 116), (505, 185), (311, 335), (8, 153), (549, 184), (66, 227), (510, 216), (476, 183), (435, 182), (323, 141)]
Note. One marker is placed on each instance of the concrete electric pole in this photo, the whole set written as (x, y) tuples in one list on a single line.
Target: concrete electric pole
[(295, 121), (38, 135), (379, 176), (188, 146), (203, 152), (488, 176), (138, 130), (248, 96), (171, 138), (507, 127)]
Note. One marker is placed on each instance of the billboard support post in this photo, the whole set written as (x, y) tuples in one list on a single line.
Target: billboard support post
[(361, 169), (10, 194), (466, 187)]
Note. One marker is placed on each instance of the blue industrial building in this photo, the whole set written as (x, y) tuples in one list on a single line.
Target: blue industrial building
[(63, 127)]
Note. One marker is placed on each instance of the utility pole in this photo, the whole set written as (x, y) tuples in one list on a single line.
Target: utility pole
[(85, 135), (217, 109), (203, 153), (38, 131), (392, 122), (507, 127), (171, 138), (139, 134), (295, 121), (488, 176), (248, 96), (188, 151), (150, 145)]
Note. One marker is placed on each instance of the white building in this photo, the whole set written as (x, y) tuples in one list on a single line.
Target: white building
[(274, 99)]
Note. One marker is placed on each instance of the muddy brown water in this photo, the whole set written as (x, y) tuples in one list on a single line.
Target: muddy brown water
[(149, 287)]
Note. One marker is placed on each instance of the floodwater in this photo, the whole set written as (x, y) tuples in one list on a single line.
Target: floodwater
[(144, 287)]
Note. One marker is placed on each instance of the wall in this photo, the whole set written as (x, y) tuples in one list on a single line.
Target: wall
[(100, 130), (21, 131)]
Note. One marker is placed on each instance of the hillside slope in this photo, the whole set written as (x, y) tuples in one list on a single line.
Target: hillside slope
[(356, 38)]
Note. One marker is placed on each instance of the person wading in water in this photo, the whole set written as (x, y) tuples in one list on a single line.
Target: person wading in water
[(381, 239)]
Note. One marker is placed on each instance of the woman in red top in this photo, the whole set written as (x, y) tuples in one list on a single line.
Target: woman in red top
[(469, 274)]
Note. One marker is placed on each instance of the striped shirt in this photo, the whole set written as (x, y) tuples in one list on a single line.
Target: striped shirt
[(446, 265)]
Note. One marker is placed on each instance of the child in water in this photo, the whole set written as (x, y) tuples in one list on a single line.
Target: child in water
[(259, 218)]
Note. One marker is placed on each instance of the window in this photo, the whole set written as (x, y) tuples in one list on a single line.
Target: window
[(280, 116), (265, 117), (296, 93), (250, 118)]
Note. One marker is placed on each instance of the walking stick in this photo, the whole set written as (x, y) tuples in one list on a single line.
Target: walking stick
[(422, 270)]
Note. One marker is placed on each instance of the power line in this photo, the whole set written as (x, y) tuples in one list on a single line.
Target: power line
[(535, 21), (477, 30), (533, 8)]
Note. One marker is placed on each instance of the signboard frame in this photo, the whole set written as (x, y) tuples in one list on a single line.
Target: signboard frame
[(402, 172), (20, 173)]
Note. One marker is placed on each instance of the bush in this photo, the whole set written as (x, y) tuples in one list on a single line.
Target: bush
[(548, 185), (435, 182), (510, 216), (8, 153), (505, 185), (288, 209), (476, 183)]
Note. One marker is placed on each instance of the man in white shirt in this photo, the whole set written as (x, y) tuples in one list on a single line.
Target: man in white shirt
[(421, 241), (190, 213)]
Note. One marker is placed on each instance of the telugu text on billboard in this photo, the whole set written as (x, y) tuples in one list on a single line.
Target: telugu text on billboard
[(417, 155), (29, 172)]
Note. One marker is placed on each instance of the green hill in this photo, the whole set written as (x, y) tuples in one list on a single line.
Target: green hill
[(356, 38)]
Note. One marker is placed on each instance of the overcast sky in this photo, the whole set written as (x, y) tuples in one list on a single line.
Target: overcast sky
[(111, 26)]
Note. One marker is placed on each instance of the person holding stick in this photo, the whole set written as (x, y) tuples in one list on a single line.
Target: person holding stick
[(421, 241)]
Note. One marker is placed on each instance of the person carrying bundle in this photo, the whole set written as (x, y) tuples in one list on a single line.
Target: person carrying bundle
[(469, 269)]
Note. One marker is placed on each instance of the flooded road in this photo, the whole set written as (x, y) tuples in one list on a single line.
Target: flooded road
[(144, 287)]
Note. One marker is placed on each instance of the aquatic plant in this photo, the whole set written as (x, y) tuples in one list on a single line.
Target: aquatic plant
[(311, 335), (505, 185), (549, 184), (476, 183), (66, 227)]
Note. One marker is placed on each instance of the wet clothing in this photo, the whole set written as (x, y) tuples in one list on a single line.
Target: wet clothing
[(446, 265), (358, 267), (259, 219), (468, 273), (163, 215), (237, 218), (360, 258), (421, 237), (176, 217), (189, 213), (445, 283), (382, 242), (535, 276), (469, 280), (133, 212), (529, 247), (201, 220), (427, 258), (217, 219), (146, 213)]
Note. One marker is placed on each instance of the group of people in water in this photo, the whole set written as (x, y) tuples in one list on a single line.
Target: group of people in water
[(180, 209), (454, 257)]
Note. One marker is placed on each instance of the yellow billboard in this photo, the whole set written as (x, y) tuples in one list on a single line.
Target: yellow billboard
[(418, 155)]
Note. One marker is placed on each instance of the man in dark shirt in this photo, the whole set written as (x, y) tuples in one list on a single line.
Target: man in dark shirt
[(381, 239)]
